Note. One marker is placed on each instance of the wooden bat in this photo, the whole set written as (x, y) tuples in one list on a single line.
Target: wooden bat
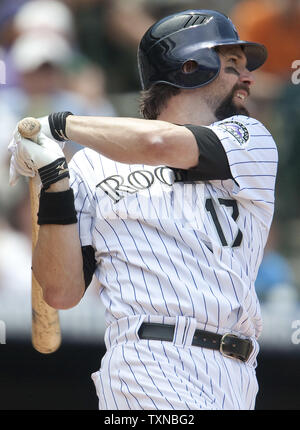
[(46, 333)]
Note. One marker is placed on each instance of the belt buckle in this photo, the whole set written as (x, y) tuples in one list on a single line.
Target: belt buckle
[(233, 355), (222, 343)]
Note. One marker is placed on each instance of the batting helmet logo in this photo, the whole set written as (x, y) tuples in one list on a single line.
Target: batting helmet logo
[(190, 35)]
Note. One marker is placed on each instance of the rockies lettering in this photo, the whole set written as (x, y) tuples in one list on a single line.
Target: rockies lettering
[(115, 187)]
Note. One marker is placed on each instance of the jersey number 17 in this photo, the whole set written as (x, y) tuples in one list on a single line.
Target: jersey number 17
[(209, 206)]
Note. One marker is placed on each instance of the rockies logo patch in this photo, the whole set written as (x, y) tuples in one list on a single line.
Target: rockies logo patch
[(237, 130)]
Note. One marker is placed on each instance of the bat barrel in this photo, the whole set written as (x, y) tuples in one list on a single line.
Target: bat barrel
[(46, 333)]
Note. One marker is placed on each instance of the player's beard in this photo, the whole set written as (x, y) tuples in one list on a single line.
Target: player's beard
[(228, 108)]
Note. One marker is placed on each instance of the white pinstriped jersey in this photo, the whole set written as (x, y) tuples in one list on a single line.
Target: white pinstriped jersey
[(175, 249)]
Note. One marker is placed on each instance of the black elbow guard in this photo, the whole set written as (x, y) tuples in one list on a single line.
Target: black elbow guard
[(89, 263), (212, 163)]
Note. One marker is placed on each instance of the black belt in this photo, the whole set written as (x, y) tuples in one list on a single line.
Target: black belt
[(228, 344)]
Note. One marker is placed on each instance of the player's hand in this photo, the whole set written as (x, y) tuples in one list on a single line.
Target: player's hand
[(29, 158), (53, 126), (45, 129)]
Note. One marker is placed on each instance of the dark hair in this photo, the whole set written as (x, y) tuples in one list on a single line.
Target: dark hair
[(153, 100)]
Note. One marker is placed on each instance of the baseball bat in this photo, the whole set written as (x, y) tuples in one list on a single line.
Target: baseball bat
[(46, 333)]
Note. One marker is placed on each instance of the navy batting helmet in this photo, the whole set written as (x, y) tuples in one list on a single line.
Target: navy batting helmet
[(190, 35)]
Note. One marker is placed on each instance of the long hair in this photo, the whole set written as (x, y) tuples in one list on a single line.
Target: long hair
[(153, 100)]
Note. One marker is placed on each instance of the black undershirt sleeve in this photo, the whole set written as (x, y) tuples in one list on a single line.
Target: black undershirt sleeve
[(213, 162), (89, 263)]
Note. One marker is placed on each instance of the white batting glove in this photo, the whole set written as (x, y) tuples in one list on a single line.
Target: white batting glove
[(45, 129), (44, 157)]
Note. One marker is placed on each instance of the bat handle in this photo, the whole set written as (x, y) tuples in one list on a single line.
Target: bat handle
[(29, 128)]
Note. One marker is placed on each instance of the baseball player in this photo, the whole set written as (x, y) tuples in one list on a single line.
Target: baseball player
[(171, 213)]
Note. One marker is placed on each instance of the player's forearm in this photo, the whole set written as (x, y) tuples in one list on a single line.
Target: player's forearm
[(57, 261), (135, 141)]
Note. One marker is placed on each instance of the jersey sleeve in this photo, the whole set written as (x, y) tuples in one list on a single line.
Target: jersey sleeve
[(83, 196), (253, 159), (212, 161)]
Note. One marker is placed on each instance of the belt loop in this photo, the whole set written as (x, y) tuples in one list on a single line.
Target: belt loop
[(142, 318), (253, 356), (179, 332), (190, 331)]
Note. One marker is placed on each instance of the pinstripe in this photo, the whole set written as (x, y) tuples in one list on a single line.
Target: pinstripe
[(169, 382), (189, 393), (165, 354), (253, 162), (248, 385), (219, 286), (261, 200), (165, 302), (155, 258), (116, 271), (142, 271), (257, 188), (166, 249), (241, 381), (102, 388), (266, 148), (250, 244), (192, 358), (194, 282), (128, 390), (218, 305), (179, 306), (121, 389), (192, 253), (255, 176), (186, 332), (219, 368), (180, 359), (175, 391), (261, 135), (136, 381), (110, 383), (89, 161), (231, 384), (204, 390), (150, 377), (206, 313), (127, 268), (262, 149), (235, 293)]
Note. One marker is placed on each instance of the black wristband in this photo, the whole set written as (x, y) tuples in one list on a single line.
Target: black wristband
[(54, 172), (57, 123), (57, 208)]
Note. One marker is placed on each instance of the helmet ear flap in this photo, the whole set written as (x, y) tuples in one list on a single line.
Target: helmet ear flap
[(189, 66), (199, 70)]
